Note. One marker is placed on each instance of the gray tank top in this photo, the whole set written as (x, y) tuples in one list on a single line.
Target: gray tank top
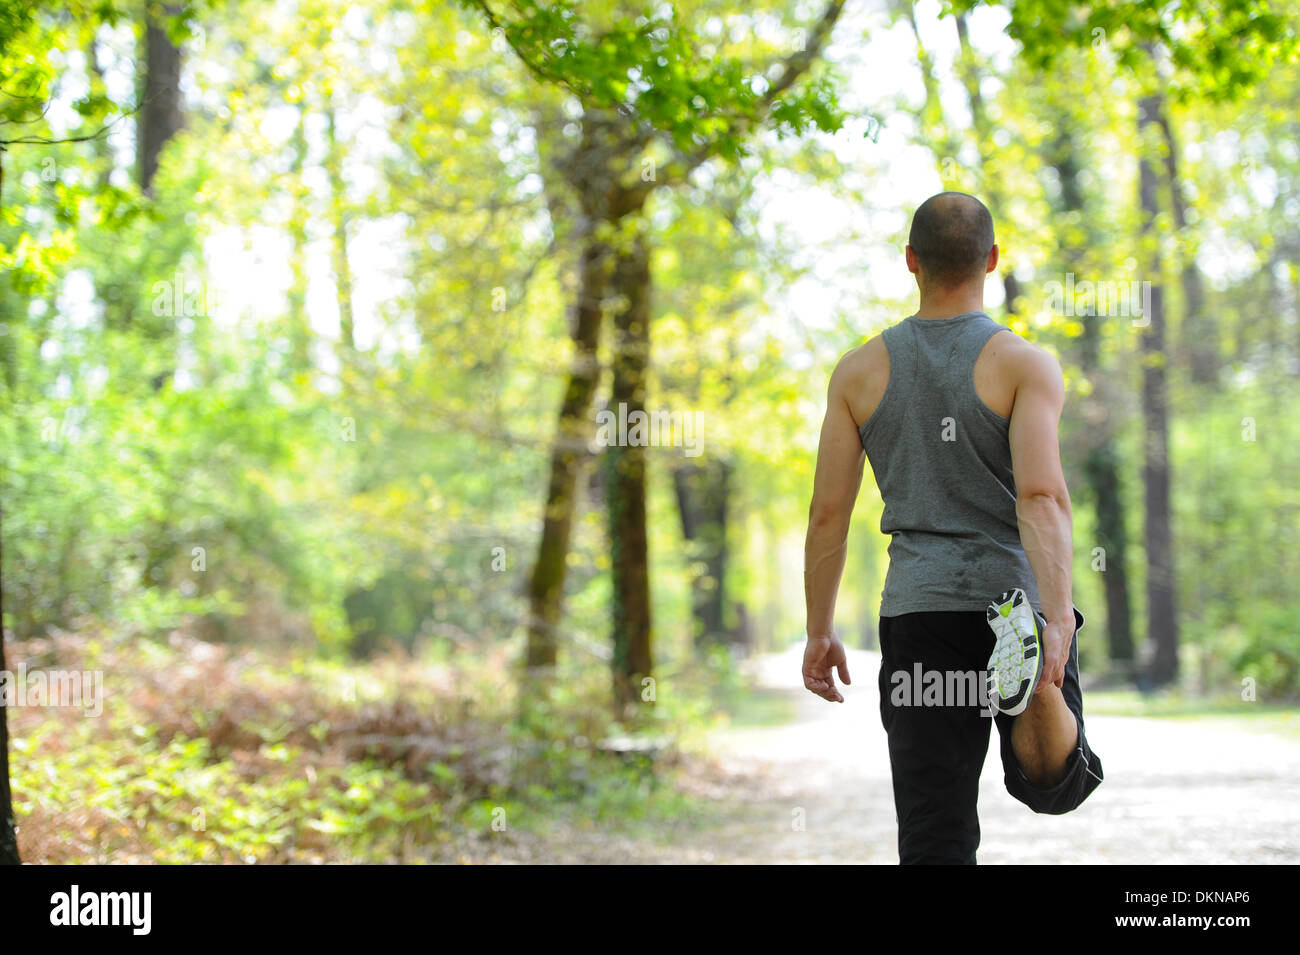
[(942, 461)]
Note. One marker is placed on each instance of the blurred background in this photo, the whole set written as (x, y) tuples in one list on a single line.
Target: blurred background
[(409, 409)]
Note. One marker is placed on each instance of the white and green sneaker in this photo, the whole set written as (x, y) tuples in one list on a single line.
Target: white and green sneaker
[(1017, 659)]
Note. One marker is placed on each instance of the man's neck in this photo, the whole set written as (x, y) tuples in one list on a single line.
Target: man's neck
[(939, 304)]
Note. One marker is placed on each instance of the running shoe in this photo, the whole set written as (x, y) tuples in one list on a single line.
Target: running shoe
[(1017, 659)]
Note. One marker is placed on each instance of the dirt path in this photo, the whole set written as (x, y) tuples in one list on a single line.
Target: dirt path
[(1175, 792)]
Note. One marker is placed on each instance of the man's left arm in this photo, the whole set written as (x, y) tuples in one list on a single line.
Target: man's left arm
[(835, 489)]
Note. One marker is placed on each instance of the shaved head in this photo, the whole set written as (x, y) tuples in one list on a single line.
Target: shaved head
[(952, 236)]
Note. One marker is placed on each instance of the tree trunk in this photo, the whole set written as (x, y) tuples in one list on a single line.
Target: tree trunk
[(1295, 311), (989, 182), (98, 87), (1162, 619), (1101, 464), (160, 116), (1198, 334), (8, 836), (340, 220), (591, 170), (299, 324), (933, 127), (546, 582), (1011, 289), (703, 492), (625, 467), (1101, 467)]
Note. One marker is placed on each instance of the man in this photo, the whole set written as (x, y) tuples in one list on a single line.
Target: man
[(958, 416)]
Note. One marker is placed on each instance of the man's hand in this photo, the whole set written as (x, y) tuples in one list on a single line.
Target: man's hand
[(820, 656), (1057, 638)]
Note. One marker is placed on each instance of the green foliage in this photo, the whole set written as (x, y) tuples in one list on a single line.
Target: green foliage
[(204, 756), (671, 67), (1239, 549), (1219, 49), (248, 472), (417, 530)]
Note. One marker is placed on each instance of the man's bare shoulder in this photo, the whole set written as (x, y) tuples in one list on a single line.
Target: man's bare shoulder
[(1023, 360), (861, 376), (867, 358), (1030, 368)]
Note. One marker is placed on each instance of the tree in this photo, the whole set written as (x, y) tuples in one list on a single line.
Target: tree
[(1080, 245), (340, 221), (161, 116), (625, 467), (703, 493), (646, 93), (1198, 334), (1162, 619), (8, 835), (991, 183)]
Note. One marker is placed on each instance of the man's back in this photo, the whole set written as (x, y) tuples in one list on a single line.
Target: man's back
[(933, 399)]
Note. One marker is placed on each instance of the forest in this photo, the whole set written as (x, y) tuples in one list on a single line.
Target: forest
[(409, 408)]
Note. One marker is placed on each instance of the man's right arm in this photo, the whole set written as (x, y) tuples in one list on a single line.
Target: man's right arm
[(1042, 499)]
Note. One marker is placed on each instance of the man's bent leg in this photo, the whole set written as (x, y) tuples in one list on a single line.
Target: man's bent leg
[(1044, 736), (1035, 770), (935, 752)]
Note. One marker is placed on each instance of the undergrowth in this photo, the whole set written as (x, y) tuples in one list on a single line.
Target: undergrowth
[(214, 754)]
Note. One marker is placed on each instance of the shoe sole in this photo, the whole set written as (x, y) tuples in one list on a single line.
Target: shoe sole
[(1013, 622)]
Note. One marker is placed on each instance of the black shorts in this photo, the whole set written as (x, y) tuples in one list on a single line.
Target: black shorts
[(936, 752)]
